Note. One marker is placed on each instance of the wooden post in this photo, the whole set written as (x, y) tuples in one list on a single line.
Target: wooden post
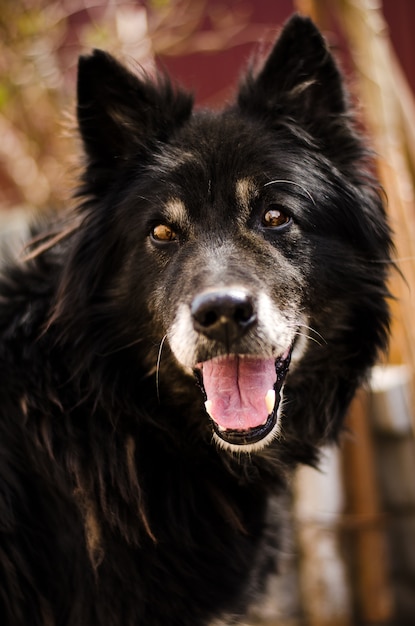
[(375, 603)]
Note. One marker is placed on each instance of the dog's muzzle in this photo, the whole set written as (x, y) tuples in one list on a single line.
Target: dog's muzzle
[(243, 391)]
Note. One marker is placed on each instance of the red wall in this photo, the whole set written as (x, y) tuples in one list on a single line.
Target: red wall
[(400, 16), (212, 76)]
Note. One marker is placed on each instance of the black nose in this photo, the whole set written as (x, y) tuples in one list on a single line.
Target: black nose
[(224, 314)]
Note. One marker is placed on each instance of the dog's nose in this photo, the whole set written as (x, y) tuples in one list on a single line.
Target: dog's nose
[(224, 314)]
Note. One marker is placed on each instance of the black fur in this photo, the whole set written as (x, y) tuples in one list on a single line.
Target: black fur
[(116, 507)]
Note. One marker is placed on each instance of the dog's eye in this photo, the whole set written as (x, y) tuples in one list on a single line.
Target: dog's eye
[(275, 217), (163, 233)]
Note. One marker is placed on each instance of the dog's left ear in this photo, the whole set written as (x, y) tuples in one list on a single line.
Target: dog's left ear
[(300, 79)]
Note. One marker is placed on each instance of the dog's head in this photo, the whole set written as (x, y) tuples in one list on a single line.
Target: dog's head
[(255, 236)]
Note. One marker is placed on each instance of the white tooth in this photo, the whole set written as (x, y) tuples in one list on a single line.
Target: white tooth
[(270, 400), (208, 407)]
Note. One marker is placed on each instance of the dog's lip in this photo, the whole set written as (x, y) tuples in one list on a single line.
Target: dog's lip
[(251, 435), (248, 436)]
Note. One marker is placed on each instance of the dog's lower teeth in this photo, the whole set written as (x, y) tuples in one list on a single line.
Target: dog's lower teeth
[(270, 400)]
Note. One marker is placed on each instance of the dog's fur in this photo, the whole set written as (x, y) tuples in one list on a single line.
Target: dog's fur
[(204, 244)]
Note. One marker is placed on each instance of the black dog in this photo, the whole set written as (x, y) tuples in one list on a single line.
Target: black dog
[(227, 264)]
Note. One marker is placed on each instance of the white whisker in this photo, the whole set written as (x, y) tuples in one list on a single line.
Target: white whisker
[(291, 182), (308, 335), (312, 330), (310, 338), (158, 367)]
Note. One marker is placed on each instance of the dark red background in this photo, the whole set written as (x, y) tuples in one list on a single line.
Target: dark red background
[(212, 76)]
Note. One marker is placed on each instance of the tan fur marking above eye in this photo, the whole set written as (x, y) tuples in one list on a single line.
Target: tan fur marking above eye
[(176, 213), (245, 192)]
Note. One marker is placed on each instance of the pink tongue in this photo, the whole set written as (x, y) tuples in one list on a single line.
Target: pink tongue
[(236, 388)]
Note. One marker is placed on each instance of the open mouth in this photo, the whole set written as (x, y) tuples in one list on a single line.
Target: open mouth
[(243, 395)]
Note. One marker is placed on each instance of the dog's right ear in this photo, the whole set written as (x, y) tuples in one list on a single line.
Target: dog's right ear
[(120, 114)]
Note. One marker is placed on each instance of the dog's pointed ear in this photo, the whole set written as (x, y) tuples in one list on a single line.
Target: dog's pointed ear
[(119, 114), (299, 79)]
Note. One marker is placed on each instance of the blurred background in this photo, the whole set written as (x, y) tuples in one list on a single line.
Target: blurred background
[(350, 550)]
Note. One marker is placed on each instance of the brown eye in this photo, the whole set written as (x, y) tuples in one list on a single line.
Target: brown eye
[(163, 233), (275, 218)]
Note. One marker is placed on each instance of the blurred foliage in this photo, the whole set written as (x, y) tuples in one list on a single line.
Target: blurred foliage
[(40, 42)]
